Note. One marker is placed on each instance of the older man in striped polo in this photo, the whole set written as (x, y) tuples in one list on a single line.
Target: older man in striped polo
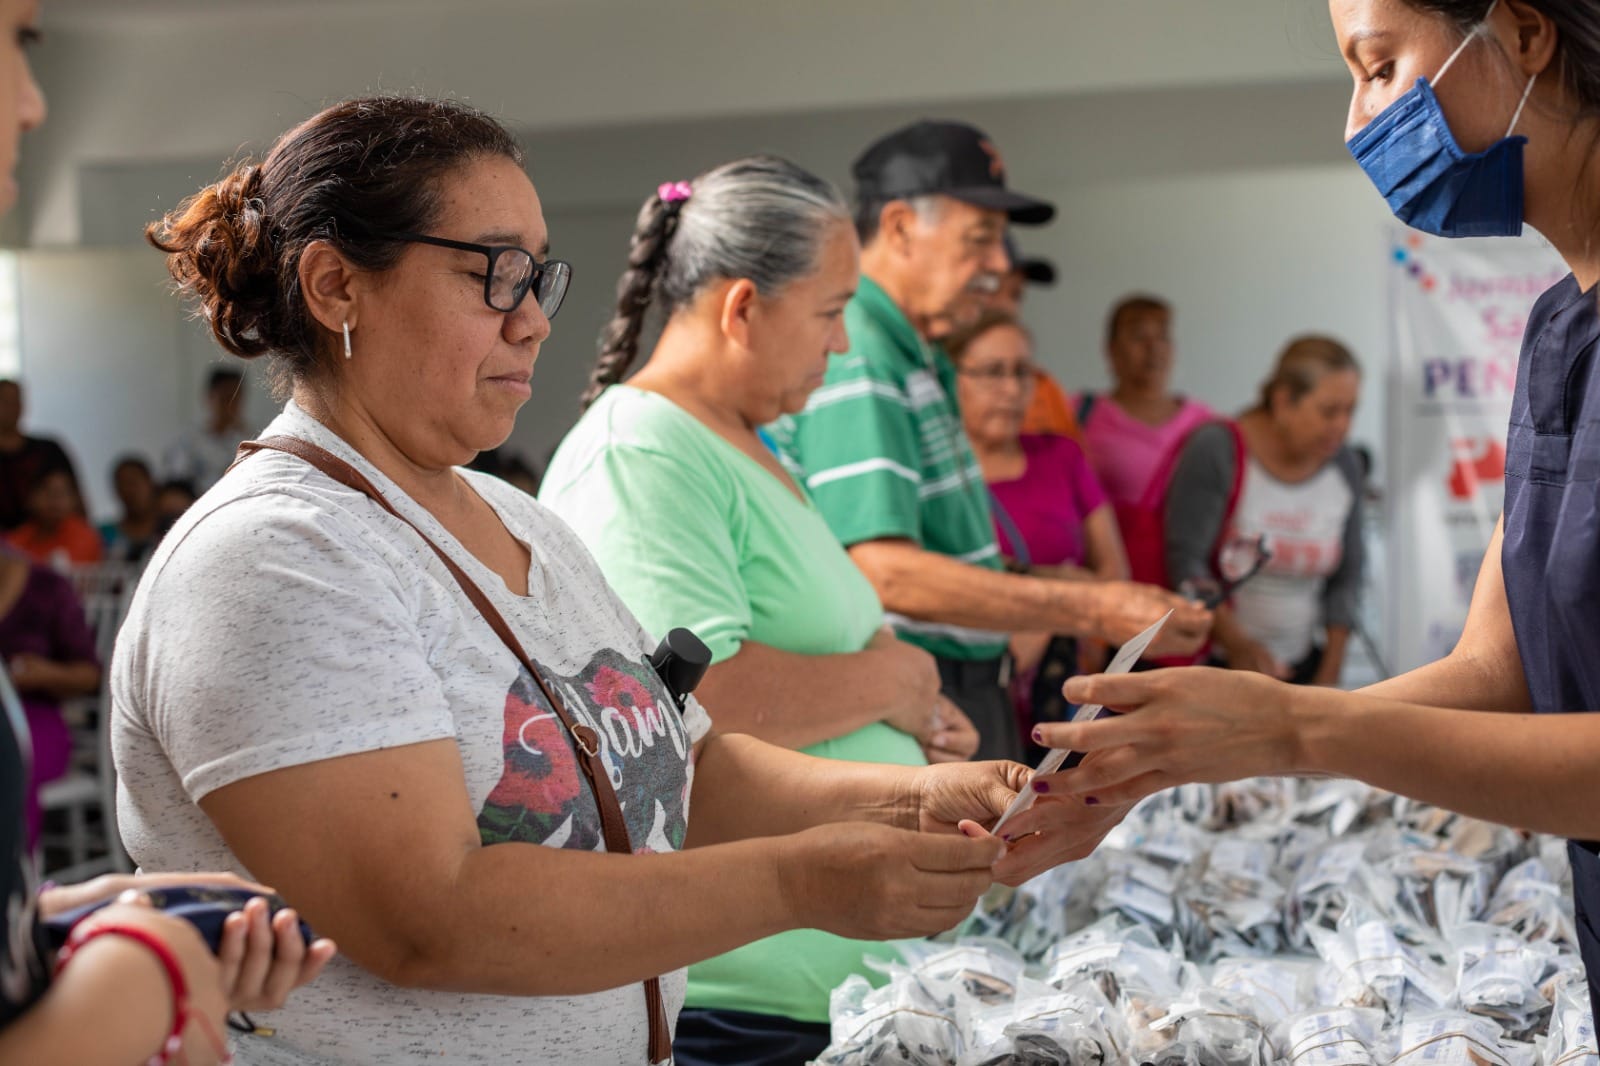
[(881, 446)]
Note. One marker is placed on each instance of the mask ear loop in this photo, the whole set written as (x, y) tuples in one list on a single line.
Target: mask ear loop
[(1479, 30), (1517, 115)]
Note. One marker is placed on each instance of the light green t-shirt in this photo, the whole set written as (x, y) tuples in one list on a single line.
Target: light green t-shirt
[(690, 531)]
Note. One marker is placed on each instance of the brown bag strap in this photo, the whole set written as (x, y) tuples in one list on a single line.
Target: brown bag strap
[(586, 742)]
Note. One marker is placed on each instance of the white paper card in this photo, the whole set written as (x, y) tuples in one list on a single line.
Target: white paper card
[(1130, 653)]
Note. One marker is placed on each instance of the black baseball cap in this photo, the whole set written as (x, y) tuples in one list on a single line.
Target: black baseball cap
[(1034, 270), (948, 159)]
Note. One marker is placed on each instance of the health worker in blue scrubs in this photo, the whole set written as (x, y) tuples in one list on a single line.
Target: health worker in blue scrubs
[(1472, 118)]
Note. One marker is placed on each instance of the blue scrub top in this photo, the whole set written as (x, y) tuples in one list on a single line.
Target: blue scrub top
[(1551, 554)]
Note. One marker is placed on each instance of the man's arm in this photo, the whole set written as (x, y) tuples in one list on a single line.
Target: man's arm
[(926, 585)]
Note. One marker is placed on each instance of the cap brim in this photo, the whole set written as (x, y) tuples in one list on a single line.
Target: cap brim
[(1020, 209), (1038, 271)]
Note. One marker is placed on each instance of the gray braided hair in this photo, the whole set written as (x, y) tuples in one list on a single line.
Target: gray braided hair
[(761, 218)]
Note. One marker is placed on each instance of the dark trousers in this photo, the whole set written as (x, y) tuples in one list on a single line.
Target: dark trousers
[(739, 1038), (975, 686)]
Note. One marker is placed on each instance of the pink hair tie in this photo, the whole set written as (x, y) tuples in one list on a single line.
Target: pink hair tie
[(674, 192)]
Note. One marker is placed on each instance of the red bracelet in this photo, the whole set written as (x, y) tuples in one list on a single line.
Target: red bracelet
[(180, 988)]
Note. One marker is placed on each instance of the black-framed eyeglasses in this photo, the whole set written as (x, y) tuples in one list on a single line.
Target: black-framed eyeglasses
[(993, 375), (512, 273)]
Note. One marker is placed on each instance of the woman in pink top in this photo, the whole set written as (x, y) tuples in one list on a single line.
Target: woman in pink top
[(1131, 433), (1051, 515)]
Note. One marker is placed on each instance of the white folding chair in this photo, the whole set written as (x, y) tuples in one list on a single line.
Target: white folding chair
[(90, 785)]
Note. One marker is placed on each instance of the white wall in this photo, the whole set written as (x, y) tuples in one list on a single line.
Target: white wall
[(110, 364), (129, 83), (1248, 260)]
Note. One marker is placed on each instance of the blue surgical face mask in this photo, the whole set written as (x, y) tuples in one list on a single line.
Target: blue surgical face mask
[(1430, 183)]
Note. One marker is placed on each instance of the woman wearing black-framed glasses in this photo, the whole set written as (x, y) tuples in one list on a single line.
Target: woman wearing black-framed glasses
[(405, 691)]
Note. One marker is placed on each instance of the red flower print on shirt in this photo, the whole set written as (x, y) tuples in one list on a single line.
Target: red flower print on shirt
[(614, 688), (542, 797), (540, 783)]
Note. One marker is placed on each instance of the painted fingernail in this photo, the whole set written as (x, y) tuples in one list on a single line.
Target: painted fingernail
[(1091, 801), (1038, 735), (1006, 837), (1041, 786)]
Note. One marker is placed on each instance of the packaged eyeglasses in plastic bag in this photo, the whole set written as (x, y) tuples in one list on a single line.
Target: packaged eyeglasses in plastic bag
[(1234, 906), (1273, 988), (1340, 1037), (1327, 884), (1459, 1040), (1249, 802), (1530, 903), (1368, 965), (1213, 1029), (910, 1020), (1499, 976), (1439, 889), (1045, 1026), (986, 973), (1121, 959), (1571, 1038), (1341, 807)]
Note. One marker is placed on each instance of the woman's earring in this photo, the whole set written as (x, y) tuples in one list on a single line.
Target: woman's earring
[(347, 339)]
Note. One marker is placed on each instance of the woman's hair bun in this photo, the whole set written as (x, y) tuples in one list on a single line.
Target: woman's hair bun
[(219, 250)]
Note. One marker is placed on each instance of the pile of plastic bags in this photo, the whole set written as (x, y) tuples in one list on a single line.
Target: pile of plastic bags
[(1263, 922)]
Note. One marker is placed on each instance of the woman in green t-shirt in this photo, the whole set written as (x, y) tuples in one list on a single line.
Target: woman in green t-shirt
[(695, 522)]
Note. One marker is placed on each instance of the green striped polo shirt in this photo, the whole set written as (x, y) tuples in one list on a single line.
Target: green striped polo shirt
[(882, 449)]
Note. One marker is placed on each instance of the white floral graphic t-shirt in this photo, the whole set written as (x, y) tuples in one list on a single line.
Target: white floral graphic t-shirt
[(288, 619)]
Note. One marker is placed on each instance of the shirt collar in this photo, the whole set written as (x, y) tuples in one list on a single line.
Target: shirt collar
[(882, 309)]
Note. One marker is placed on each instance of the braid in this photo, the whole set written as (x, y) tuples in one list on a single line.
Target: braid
[(759, 218), (647, 254)]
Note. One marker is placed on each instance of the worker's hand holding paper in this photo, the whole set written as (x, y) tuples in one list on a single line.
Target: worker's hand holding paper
[(1129, 654)]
